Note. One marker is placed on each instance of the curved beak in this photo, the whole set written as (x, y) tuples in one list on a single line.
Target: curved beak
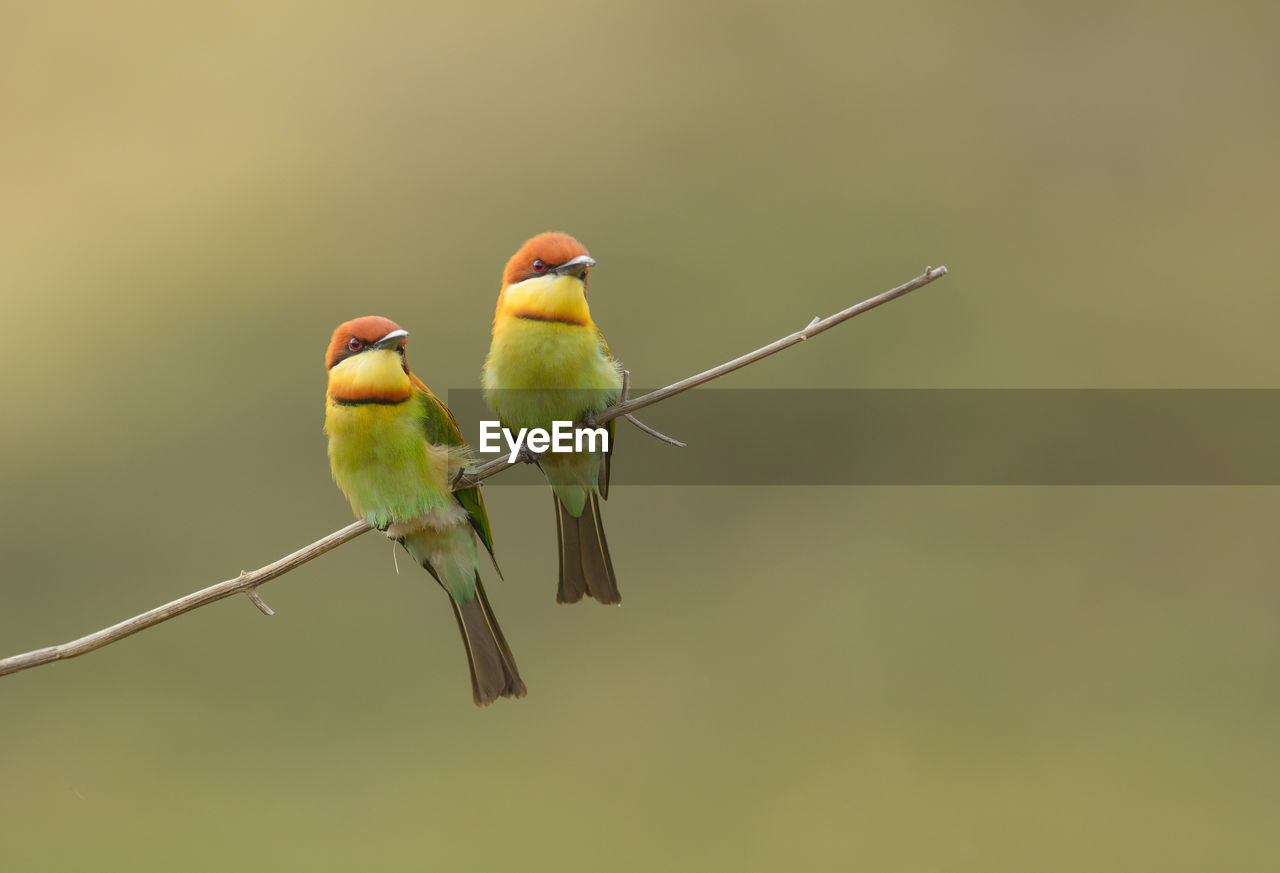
[(575, 267), (391, 340)]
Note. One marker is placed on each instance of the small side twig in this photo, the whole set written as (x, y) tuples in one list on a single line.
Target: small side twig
[(257, 601), (622, 398), (654, 433)]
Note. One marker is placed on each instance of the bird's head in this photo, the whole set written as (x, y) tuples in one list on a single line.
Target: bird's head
[(366, 361), (547, 278)]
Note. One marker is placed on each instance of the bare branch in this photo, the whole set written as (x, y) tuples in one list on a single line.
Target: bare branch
[(815, 327), (244, 582), (247, 583)]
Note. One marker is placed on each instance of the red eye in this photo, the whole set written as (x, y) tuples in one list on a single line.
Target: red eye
[(354, 344), (539, 266)]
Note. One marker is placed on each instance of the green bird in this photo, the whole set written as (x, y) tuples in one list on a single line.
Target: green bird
[(395, 450), (549, 362)]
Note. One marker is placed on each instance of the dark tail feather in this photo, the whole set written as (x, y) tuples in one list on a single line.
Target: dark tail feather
[(493, 669), (585, 565)]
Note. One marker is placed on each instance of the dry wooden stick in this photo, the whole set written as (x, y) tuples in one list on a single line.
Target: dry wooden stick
[(245, 582), (248, 583), (815, 327)]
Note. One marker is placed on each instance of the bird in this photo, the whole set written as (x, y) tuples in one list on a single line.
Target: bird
[(549, 362), (394, 452)]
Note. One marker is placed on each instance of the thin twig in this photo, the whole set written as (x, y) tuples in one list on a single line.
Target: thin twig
[(257, 601), (656, 434), (622, 398), (243, 582), (248, 582)]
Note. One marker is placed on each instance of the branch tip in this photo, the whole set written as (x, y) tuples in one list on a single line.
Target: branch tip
[(257, 599)]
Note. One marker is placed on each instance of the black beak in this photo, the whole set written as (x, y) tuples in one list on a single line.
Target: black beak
[(389, 341), (575, 267)]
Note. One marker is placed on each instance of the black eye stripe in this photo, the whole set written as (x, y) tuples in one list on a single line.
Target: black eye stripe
[(347, 351)]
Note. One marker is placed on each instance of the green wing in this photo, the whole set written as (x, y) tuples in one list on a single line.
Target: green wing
[(602, 482), (441, 429)]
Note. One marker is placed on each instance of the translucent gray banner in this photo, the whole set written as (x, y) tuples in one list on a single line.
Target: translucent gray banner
[(941, 437)]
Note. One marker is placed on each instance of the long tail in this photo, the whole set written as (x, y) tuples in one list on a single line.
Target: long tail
[(585, 566), (450, 557), (493, 669)]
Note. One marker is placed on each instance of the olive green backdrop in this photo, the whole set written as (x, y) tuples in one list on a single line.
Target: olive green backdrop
[(853, 678)]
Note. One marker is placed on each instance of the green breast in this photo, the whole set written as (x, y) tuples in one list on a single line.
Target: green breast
[(540, 371), (381, 460)]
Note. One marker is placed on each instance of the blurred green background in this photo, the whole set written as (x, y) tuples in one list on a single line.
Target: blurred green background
[(896, 679)]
